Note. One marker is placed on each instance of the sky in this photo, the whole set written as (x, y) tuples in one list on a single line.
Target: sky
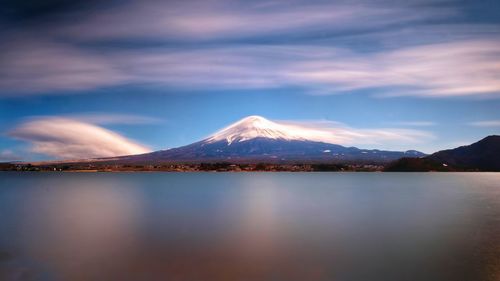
[(83, 79)]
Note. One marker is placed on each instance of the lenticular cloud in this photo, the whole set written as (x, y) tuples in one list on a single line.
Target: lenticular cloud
[(69, 139)]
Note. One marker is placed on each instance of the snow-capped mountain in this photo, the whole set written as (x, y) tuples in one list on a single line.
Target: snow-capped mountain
[(253, 127), (256, 139)]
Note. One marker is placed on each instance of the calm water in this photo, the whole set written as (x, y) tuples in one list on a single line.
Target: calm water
[(243, 226)]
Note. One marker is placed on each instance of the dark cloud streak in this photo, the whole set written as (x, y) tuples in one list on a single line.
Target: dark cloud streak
[(43, 12)]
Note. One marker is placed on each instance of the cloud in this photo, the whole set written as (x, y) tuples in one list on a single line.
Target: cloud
[(392, 48), (99, 118), (485, 123), (107, 118), (339, 133), (460, 68), (210, 20), (65, 138), (419, 35), (38, 65)]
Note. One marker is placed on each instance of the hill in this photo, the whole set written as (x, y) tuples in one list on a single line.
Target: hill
[(483, 155)]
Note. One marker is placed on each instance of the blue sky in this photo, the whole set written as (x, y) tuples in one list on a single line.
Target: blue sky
[(88, 79)]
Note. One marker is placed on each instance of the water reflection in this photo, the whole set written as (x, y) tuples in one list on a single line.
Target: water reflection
[(257, 226), (75, 227), (249, 227)]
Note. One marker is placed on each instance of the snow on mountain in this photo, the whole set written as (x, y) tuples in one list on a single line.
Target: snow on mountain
[(253, 127), (255, 139)]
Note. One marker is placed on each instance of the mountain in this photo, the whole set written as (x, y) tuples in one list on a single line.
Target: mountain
[(483, 155), (255, 139)]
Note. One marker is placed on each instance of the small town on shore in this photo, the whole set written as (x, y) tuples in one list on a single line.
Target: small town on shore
[(201, 167)]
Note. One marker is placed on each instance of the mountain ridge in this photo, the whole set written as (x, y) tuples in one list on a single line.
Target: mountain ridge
[(257, 139), (483, 155)]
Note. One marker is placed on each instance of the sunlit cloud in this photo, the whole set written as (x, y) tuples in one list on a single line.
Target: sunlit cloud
[(459, 68), (462, 68), (485, 123), (413, 53), (209, 20), (64, 138), (339, 133)]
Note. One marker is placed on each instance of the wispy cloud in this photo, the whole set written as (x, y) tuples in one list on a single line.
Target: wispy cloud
[(462, 68), (430, 70), (208, 20), (64, 138), (485, 123), (458, 68), (339, 133), (109, 118), (99, 118), (34, 66), (226, 45)]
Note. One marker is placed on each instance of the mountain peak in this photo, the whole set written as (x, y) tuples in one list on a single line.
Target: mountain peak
[(491, 138), (253, 118), (254, 122), (252, 127)]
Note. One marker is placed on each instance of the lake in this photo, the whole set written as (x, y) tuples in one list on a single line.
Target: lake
[(250, 226)]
